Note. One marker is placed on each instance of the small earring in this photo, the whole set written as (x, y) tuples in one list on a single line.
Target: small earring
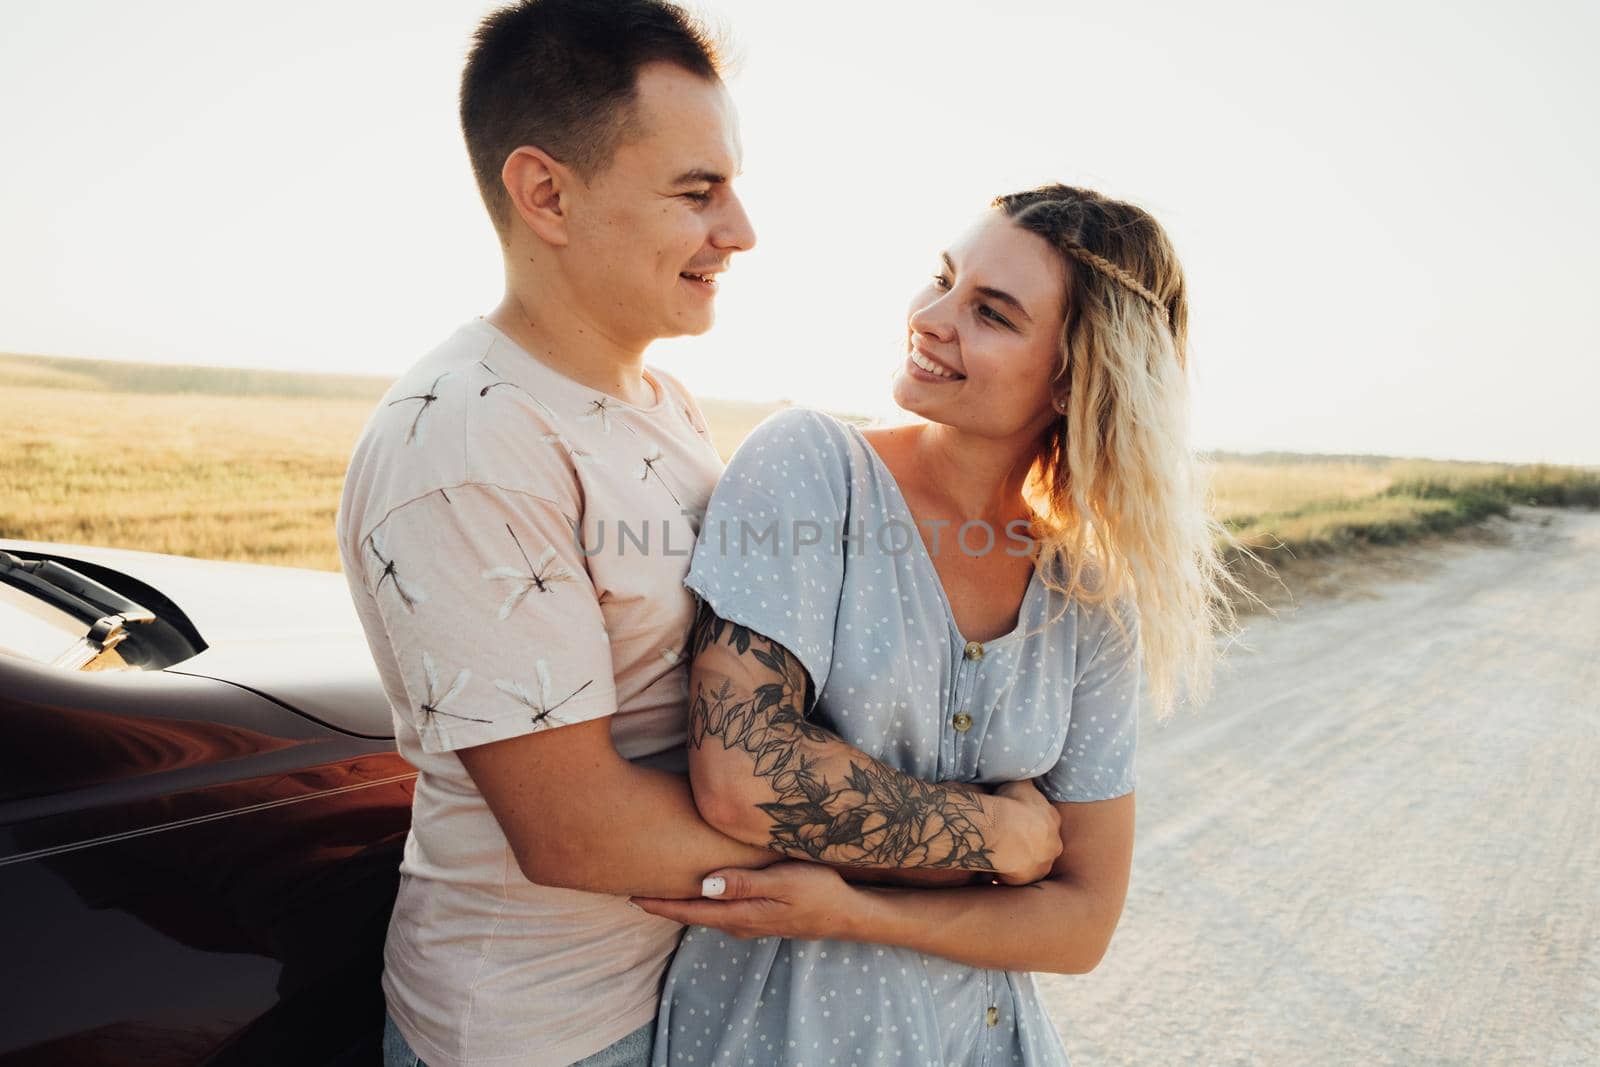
[(1060, 404)]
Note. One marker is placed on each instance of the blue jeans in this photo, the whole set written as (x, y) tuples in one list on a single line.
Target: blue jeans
[(632, 1051)]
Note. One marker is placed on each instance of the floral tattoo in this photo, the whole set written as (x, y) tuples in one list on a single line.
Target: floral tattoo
[(874, 816)]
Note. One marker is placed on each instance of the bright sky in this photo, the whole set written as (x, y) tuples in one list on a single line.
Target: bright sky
[(1387, 212)]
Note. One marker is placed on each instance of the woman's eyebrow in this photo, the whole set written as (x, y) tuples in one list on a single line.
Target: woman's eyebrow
[(992, 293)]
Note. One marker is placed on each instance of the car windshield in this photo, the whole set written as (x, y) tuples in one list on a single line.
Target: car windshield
[(33, 629)]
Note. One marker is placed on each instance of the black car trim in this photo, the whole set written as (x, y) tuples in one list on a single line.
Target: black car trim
[(198, 819), (285, 705)]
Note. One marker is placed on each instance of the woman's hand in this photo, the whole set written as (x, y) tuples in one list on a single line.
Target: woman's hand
[(1033, 829), (805, 901)]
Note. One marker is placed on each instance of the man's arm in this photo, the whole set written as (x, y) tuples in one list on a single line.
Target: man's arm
[(485, 604), (765, 775), (579, 816), (1062, 925)]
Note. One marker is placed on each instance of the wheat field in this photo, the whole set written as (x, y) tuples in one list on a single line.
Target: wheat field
[(248, 465)]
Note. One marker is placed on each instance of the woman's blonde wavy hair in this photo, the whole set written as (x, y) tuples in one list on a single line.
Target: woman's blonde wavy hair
[(1123, 501)]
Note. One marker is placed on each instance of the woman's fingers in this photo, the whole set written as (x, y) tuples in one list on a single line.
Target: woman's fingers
[(785, 900), (688, 912), (781, 881), (741, 918)]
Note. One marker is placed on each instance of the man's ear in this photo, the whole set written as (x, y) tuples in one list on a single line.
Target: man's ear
[(535, 183)]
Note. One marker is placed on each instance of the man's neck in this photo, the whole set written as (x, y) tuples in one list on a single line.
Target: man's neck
[(555, 334)]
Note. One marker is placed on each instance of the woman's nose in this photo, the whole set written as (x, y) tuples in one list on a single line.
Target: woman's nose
[(933, 319)]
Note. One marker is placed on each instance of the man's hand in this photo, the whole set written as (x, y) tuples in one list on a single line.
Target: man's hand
[(804, 901), (1035, 825)]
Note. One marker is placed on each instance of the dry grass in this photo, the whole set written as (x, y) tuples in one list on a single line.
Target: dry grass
[(1244, 486), (242, 465), (1330, 507), (252, 478), (247, 465)]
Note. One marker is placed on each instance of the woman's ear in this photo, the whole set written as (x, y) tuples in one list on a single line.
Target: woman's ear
[(535, 183)]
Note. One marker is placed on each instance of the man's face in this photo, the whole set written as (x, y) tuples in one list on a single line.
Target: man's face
[(650, 233)]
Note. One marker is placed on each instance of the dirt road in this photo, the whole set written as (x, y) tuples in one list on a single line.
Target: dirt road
[(1380, 842)]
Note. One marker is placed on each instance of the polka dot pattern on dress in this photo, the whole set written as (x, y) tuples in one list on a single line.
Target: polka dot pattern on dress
[(1052, 700)]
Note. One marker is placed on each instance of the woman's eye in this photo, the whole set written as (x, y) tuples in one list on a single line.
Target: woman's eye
[(994, 316), (941, 281)]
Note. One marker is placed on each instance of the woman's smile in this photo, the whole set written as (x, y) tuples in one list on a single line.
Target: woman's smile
[(924, 368)]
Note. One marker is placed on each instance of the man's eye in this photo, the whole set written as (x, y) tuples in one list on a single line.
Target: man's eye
[(699, 198)]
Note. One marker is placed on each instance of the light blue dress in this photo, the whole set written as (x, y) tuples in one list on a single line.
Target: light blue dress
[(1056, 700)]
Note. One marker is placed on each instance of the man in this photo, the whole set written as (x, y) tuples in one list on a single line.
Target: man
[(604, 145), (528, 670)]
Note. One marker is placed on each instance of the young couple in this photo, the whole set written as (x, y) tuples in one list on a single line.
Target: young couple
[(909, 774)]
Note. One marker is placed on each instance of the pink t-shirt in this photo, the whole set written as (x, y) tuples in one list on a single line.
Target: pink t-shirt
[(489, 618)]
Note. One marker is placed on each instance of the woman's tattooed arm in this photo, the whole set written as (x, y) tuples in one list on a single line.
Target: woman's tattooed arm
[(765, 774)]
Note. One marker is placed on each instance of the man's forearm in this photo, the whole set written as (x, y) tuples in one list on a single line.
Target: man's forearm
[(645, 838), (579, 816), (677, 848)]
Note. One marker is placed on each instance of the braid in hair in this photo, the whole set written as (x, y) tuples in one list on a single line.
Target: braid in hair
[(1118, 275), (1104, 234)]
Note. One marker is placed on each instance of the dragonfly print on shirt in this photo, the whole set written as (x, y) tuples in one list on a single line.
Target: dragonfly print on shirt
[(427, 399), (502, 381), (543, 704), (603, 410), (433, 706), (409, 592), (652, 463), (577, 454), (542, 575)]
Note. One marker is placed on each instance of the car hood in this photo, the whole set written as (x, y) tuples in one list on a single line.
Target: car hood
[(290, 634)]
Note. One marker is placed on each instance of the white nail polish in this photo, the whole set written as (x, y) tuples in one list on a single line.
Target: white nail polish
[(713, 887)]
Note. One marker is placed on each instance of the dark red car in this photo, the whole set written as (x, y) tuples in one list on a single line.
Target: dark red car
[(201, 813)]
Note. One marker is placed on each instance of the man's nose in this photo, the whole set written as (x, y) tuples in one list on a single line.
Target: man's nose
[(734, 231)]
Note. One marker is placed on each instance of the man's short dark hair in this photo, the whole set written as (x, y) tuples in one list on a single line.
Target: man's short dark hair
[(561, 75)]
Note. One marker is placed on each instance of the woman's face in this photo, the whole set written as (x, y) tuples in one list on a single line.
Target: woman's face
[(988, 323)]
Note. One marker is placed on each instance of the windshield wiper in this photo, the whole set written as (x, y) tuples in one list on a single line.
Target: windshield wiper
[(106, 611)]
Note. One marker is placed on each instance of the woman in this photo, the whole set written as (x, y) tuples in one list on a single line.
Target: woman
[(829, 683)]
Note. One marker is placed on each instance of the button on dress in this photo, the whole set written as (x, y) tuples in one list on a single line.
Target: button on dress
[(808, 541)]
